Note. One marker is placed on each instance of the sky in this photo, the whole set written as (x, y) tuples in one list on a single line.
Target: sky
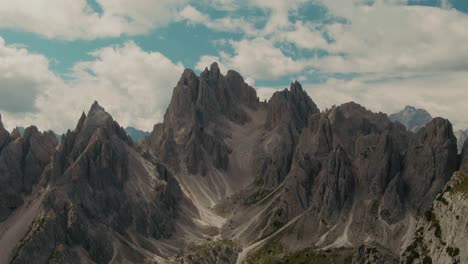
[(58, 56)]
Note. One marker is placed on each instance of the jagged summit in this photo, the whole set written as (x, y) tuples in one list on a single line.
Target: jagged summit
[(249, 178)]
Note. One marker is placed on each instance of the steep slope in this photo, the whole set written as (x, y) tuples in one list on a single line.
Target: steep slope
[(412, 118), (354, 179), (104, 202), (22, 162), (305, 179), (440, 235)]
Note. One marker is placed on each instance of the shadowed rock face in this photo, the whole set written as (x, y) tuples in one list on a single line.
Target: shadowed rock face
[(22, 162), (102, 194), (353, 177), (4, 135), (288, 112), (194, 129)]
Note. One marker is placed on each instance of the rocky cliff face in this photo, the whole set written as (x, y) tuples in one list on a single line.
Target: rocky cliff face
[(193, 133), (226, 178), (412, 118), (440, 235), (22, 162), (104, 201), (355, 177)]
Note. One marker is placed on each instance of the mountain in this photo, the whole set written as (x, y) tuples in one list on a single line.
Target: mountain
[(226, 178), (136, 134), (462, 136), (57, 136), (412, 118)]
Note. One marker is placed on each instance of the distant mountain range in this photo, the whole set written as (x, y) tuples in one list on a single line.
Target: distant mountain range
[(226, 178), (414, 119), (136, 134)]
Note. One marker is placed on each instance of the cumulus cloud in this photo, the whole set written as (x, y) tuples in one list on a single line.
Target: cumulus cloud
[(133, 85), (76, 19), (226, 24), (387, 37), (22, 78), (257, 58)]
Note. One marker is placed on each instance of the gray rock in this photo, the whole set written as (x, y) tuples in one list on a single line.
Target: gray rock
[(4, 135), (412, 118), (194, 130), (22, 163), (103, 194)]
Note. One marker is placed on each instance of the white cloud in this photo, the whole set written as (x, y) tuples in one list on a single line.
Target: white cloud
[(22, 78), (75, 19), (442, 94), (133, 85), (257, 58), (225, 24)]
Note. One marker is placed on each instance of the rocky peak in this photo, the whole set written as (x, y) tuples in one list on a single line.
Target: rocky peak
[(292, 106), (93, 129), (430, 162), (15, 134), (195, 122), (23, 161), (96, 119)]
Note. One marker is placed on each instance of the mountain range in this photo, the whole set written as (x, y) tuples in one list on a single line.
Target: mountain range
[(226, 178), (415, 118)]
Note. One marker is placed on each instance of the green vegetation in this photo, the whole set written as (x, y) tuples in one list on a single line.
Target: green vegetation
[(276, 253), (256, 197), (36, 226), (441, 199), (427, 260), (462, 187), (430, 217), (453, 252), (196, 253), (56, 256), (412, 251)]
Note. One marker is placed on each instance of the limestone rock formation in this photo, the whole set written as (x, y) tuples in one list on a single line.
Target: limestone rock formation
[(105, 202), (22, 162), (194, 128), (440, 235), (226, 178)]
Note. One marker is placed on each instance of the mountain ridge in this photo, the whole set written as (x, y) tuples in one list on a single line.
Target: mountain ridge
[(225, 178)]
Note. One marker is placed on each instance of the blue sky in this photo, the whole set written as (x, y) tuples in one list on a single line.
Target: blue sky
[(57, 56)]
